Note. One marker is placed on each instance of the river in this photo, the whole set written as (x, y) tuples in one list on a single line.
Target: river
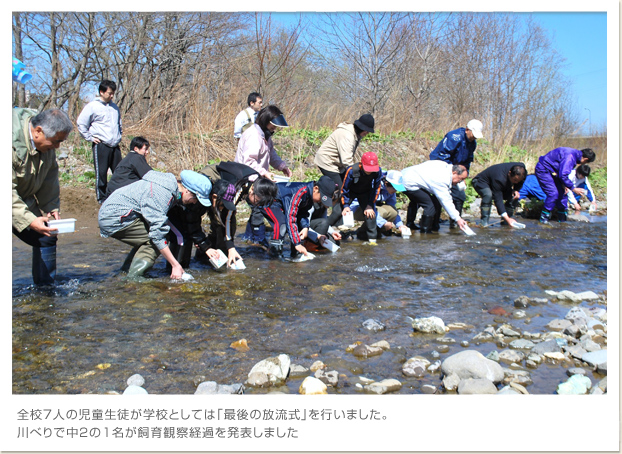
[(95, 329)]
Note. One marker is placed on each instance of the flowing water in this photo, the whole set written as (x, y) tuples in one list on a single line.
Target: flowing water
[(95, 329)]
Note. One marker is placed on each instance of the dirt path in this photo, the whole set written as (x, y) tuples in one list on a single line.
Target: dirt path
[(79, 203)]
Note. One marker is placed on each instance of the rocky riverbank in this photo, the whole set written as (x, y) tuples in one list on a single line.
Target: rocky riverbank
[(576, 343)]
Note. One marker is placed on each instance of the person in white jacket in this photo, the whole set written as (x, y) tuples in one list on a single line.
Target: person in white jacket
[(247, 116), (429, 185), (100, 123)]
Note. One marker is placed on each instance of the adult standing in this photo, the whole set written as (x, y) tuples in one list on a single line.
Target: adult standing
[(247, 116), (501, 183), (429, 186), (339, 151), (257, 151), (100, 123), (458, 148), (36, 190), (552, 171)]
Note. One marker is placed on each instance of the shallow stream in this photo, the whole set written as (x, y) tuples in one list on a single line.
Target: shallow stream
[(95, 329)]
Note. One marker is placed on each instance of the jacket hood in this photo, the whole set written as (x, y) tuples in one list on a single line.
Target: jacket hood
[(166, 180)]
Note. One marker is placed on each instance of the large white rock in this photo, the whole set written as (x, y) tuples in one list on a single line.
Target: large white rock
[(276, 369), (472, 364), (134, 390), (136, 380), (429, 325), (312, 385)]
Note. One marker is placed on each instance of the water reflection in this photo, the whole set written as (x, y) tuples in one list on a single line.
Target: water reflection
[(94, 330)]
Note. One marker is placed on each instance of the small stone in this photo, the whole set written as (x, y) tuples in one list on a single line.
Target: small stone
[(257, 379), (383, 344), (595, 358), (312, 386), (443, 348), (317, 365), (434, 367), (507, 331), (429, 325), (464, 343), (576, 351), (415, 367), (493, 355), (587, 296), (589, 345), (134, 390), (577, 384), (508, 390), (558, 324), (208, 387), (602, 368), (547, 346), (557, 356), (519, 314), (241, 345), (535, 358), (521, 344), (296, 370), (330, 378), (373, 325), (573, 331), (521, 301), (365, 351), (519, 388), (575, 371), (428, 389), (539, 301), (511, 356), (451, 382), (385, 386), (498, 310), (136, 380), (531, 364), (445, 340)]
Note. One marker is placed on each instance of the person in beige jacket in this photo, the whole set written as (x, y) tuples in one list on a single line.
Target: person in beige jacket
[(36, 190), (339, 151)]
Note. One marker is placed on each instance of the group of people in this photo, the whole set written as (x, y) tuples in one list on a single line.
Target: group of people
[(157, 213)]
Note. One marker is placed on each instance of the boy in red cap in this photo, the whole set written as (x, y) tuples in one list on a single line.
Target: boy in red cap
[(362, 181)]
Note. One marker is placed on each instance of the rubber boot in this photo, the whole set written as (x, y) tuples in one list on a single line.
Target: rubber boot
[(138, 268), (276, 248), (436, 222), (485, 209), (562, 216), (411, 215), (545, 217), (425, 224), (44, 265), (128, 260)]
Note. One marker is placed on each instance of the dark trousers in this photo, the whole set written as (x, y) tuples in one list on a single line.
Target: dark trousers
[(423, 199), (104, 158), (276, 217), (35, 239), (459, 197), (335, 216)]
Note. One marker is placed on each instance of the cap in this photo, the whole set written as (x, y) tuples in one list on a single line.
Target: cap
[(327, 188), (197, 183), (395, 178), (370, 162), (225, 192), (365, 122), (279, 121), (476, 127)]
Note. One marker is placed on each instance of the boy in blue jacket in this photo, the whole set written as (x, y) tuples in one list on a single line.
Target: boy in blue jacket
[(296, 201)]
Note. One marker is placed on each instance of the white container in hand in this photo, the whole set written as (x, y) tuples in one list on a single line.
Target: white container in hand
[(348, 219), (63, 225)]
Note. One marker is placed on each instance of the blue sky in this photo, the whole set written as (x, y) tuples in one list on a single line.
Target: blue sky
[(581, 38)]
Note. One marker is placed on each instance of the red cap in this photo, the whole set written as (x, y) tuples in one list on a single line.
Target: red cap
[(370, 162)]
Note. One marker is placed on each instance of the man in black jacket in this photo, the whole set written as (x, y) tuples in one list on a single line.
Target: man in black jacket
[(131, 168), (500, 182)]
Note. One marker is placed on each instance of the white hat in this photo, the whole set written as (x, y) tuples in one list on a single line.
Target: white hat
[(476, 127), (397, 181)]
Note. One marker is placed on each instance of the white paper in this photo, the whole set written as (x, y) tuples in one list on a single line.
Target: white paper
[(220, 260), (348, 219), (468, 230), (238, 265)]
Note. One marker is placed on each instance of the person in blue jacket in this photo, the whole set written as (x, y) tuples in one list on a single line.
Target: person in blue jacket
[(362, 182), (296, 201), (458, 148), (552, 171)]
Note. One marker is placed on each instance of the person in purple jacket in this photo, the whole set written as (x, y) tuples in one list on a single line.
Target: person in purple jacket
[(552, 173)]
